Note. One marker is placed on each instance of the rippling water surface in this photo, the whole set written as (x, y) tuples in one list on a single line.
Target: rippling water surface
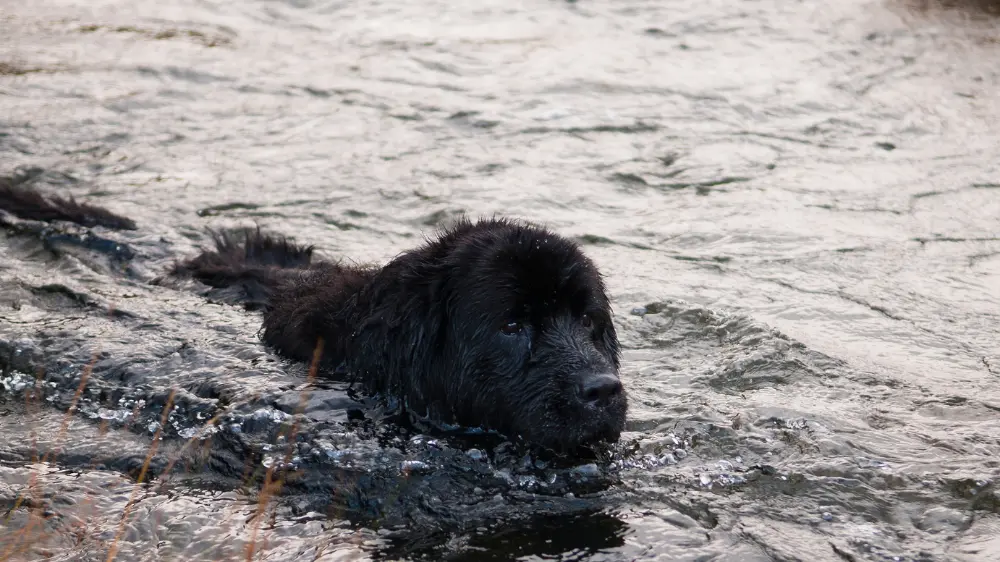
[(796, 206)]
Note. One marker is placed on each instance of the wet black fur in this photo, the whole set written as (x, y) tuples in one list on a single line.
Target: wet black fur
[(26, 203), (426, 328)]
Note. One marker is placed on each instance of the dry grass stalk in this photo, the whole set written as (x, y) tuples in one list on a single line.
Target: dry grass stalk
[(142, 474), (271, 486)]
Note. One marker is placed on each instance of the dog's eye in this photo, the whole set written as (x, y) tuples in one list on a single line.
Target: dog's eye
[(586, 321), (511, 328)]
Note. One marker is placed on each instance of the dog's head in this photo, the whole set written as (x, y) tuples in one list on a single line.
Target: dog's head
[(525, 339)]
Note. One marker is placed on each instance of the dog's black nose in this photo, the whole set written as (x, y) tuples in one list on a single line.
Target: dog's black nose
[(600, 389)]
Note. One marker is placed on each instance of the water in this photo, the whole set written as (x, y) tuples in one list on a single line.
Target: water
[(796, 206)]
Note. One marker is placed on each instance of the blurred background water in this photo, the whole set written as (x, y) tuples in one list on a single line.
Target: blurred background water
[(796, 206)]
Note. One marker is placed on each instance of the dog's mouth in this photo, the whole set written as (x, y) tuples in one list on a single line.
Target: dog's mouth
[(604, 434), (584, 446), (588, 428)]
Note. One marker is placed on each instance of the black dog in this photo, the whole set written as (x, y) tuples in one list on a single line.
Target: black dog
[(496, 324)]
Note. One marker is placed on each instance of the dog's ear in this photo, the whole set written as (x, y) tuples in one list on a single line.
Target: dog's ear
[(609, 337), (399, 341), (418, 334)]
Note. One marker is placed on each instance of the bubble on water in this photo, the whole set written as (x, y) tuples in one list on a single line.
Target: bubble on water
[(130, 404), (798, 423), (276, 416), (119, 416), (865, 462), (414, 467), (277, 462), (505, 475), (527, 462), (728, 480), (475, 454), (529, 483), (188, 433), (16, 382), (336, 454), (585, 471)]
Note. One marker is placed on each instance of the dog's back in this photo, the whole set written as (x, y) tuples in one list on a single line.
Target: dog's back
[(301, 297), (248, 261)]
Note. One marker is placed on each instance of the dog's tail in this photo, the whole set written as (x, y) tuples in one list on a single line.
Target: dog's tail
[(247, 265), (26, 203)]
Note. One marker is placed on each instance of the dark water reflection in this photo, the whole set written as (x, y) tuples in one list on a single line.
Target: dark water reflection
[(796, 206), (975, 8)]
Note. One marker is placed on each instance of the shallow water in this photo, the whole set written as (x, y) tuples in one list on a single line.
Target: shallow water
[(796, 207)]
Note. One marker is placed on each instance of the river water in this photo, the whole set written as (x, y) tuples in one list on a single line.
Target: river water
[(796, 206)]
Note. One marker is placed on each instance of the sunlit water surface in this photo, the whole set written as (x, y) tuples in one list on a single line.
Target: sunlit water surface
[(796, 206)]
